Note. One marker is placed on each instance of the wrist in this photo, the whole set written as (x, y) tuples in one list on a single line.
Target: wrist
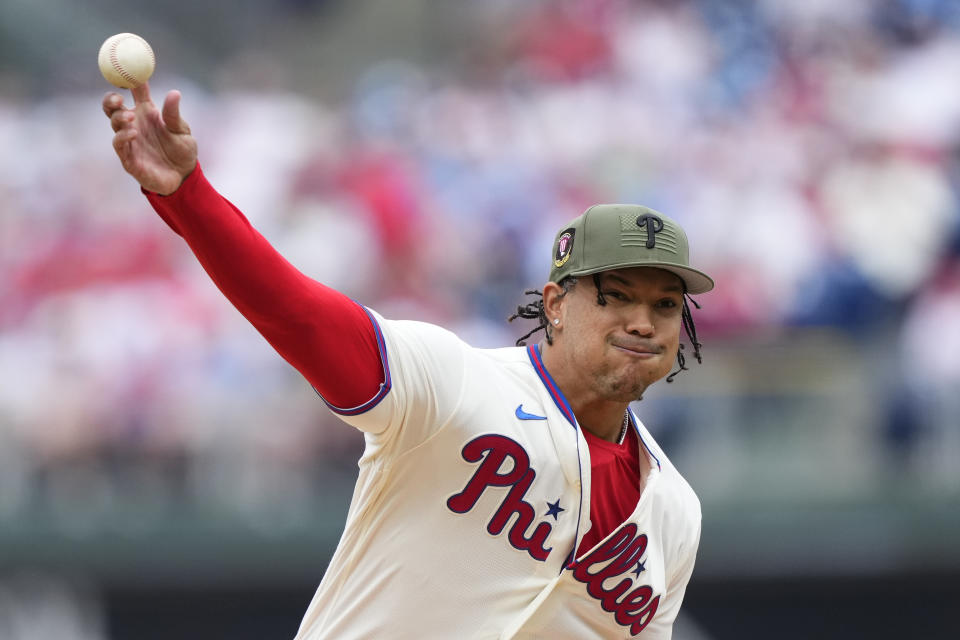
[(183, 179), (167, 192)]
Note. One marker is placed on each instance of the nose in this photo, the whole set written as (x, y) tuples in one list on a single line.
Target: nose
[(640, 321)]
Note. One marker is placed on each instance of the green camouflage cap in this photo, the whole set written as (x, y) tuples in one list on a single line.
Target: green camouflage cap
[(614, 236)]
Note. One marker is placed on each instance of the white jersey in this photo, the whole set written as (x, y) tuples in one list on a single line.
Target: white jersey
[(474, 490)]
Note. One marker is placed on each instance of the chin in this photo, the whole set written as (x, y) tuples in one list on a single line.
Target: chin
[(647, 375), (627, 384), (626, 389)]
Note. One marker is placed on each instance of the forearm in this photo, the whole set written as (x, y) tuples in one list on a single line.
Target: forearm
[(254, 276), (318, 330)]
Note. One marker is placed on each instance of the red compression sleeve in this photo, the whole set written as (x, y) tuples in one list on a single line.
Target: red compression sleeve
[(325, 335)]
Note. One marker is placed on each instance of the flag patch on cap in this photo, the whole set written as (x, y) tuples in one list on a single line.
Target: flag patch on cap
[(647, 231)]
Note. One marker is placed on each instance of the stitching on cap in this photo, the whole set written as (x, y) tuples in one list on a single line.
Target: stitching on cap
[(666, 239)]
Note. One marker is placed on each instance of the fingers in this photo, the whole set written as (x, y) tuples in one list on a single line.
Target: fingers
[(123, 138), (119, 115), (141, 94), (111, 102), (171, 114), (121, 118), (122, 145)]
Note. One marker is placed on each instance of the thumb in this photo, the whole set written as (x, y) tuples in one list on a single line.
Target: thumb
[(171, 114)]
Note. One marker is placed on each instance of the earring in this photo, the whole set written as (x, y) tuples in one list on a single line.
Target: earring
[(556, 321)]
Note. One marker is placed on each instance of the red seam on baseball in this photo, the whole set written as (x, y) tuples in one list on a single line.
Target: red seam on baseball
[(116, 62)]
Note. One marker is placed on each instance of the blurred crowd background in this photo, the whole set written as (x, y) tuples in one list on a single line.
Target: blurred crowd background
[(420, 155)]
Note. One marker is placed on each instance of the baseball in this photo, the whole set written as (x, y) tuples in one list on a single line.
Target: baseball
[(126, 60)]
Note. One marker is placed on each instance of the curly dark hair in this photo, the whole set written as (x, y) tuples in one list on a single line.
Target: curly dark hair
[(534, 311)]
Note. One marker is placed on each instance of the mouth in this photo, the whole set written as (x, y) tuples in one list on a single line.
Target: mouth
[(638, 351)]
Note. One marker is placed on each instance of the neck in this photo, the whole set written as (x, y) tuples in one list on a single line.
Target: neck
[(603, 423), (601, 416)]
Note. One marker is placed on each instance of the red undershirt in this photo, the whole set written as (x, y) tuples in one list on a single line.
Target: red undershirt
[(326, 336), (614, 484)]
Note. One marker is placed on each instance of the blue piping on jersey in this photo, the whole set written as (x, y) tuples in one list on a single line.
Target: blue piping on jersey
[(633, 421), (533, 351), (384, 386)]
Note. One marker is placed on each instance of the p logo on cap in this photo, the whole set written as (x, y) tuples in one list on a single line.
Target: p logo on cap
[(617, 236), (654, 226)]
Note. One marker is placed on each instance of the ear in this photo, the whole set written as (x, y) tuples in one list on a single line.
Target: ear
[(553, 301)]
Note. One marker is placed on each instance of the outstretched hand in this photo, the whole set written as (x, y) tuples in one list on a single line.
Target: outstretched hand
[(155, 148)]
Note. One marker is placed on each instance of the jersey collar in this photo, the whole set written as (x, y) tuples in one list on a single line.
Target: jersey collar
[(534, 352)]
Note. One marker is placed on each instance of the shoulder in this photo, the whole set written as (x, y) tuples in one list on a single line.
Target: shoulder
[(416, 329), (506, 356), (428, 336), (413, 343), (412, 346)]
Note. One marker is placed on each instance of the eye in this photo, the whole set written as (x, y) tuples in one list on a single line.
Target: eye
[(616, 295), (668, 303)]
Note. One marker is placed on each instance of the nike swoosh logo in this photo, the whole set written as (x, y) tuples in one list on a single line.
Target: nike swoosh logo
[(523, 415)]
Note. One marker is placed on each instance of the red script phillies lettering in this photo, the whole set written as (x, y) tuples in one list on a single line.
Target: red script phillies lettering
[(494, 451), (623, 549)]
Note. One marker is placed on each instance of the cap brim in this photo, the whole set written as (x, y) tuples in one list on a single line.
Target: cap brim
[(696, 281)]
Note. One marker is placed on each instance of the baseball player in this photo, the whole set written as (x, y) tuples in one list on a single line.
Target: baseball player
[(504, 493)]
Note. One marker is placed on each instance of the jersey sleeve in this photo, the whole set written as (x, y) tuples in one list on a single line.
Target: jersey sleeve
[(325, 335), (424, 372), (399, 381)]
